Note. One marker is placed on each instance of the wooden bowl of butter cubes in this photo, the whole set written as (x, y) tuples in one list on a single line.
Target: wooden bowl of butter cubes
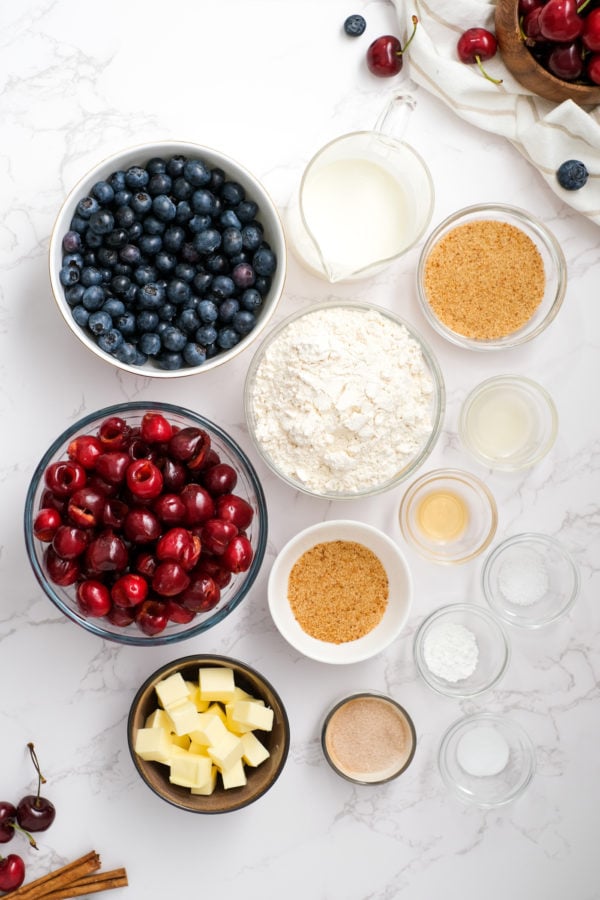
[(208, 734)]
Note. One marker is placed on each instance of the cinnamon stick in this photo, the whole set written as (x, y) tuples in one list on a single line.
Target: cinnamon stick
[(59, 878), (90, 884)]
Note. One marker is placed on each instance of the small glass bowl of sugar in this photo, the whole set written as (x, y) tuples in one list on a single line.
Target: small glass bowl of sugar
[(461, 650), (530, 580), (487, 760)]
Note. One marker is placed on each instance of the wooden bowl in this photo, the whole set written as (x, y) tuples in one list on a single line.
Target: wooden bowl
[(525, 68)]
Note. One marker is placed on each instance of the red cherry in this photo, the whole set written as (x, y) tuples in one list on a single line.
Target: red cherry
[(216, 535), (145, 564), (565, 61), (141, 526), (591, 31), (526, 6), (152, 617), (144, 479), (385, 55), (155, 429), (180, 545), (219, 479), (93, 598), (174, 475), (235, 509), (106, 553), (61, 571), (476, 45), (114, 512), (208, 565), (85, 449), (65, 477), (178, 613), (114, 433), (593, 68), (12, 872), (120, 616), (8, 818), (69, 542), (201, 595), (129, 590), (170, 578), (531, 25), (190, 446), (199, 505), (34, 812), (112, 466), (559, 21), (85, 507), (169, 508), (238, 554), (46, 524)]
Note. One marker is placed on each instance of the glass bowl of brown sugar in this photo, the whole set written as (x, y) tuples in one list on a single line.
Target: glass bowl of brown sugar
[(340, 591), (491, 277)]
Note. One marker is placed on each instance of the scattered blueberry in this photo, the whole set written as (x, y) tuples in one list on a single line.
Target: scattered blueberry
[(355, 25), (572, 175)]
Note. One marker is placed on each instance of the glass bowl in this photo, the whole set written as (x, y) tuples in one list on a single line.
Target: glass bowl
[(331, 426), (342, 648), (508, 422), (530, 580), (259, 778), (461, 650), (368, 738), (462, 274), (486, 760), (448, 516), (231, 594), (267, 216)]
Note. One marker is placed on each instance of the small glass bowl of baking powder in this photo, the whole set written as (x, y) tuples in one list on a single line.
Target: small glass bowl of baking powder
[(461, 650), (530, 580), (486, 759), (368, 738), (491, 277)]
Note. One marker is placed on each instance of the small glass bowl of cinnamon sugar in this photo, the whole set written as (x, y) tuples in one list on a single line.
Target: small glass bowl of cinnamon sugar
[(491, 277)]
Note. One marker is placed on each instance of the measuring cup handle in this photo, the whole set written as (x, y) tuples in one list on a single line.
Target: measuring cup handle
[(393, 118)]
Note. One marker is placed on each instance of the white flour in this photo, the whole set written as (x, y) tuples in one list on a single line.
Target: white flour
[(342, 399), (450, 651)]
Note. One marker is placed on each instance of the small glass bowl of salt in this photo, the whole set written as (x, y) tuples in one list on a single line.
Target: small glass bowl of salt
[(487, 760), (530, 580)]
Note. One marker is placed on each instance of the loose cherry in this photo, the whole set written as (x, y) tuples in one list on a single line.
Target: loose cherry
[(12, 872), (112, 466), (475, 46), (34, 812), (169, 508), (46, 524), (385, 55), (9, 825)]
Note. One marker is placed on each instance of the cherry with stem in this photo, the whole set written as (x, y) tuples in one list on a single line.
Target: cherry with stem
[(34, 812)]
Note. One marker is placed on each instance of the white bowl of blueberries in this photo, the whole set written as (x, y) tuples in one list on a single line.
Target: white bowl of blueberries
[(168, 259)]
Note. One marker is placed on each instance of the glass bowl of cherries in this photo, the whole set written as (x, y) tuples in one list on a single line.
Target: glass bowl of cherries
[(145, 523)]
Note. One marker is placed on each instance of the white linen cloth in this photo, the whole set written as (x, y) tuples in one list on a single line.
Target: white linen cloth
[(545, 133)]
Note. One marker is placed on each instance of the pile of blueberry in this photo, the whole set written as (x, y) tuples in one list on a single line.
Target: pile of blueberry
[(166, 262)]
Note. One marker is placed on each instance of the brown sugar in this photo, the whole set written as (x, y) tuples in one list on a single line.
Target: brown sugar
[(484, 279), (338, 591)]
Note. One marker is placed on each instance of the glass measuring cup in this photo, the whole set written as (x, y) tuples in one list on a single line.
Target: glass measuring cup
[(365, 198)]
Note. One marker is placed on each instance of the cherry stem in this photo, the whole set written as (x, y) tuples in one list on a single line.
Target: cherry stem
[(415, 22), (16, 827), (486, 74), (582, 7), (41, 779)]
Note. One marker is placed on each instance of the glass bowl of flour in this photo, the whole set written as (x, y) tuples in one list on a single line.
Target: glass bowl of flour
[(344, 400), (461, 650)]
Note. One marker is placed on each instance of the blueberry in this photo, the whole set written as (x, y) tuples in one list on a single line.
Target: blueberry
[(150, 295), (217, 264), (227, 338), (188, 321), (74, 294), (228, 219), (206, 334), (117, 180), (170, 361), (185, 271), (222, 286), (135, 232), (355, 25), (572, 175), (232, 193), (136, 178), (160, 183), (264, 261), (106, 256), (196, 172), (194, 354), (175, 165), (207, 241), (154, 225), (178, 291), (93, 297), (252, 236), (130, 254), (243, 321), (90, 275), (120, 284), (203, 202), (165, 262), (228, 309), (110, 340), (243, 275), (87, 206), (251, 300), (102, 221), (144, 274), (150, 244), (150, 343), (156, 165), (80, 315), (122, 198), (208, 311), (217, 178), (147, 320), (99, 322), (246, 211), (173, 238), (126, 324), (164, 208), (124, 216), (232, 241), (93, 240), (184, 211), (167, 312), (69, 275), (263, 285), (103, 193), (114, 307), (202, 281), (141, 203), (126, 353), (71, 242), (189, 254), (182, 189), (116, 238)]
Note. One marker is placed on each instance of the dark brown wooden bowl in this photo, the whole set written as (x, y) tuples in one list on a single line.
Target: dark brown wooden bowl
[(526, 69)]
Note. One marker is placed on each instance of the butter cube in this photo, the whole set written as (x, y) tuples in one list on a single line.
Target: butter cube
[(210, 785), (175, 751), (190, 770), (248, 712), (216, 683), (234, 776), (228, 751), (172, 690), (183, 716), (209, 730), (180, 740), (158, 719), (153, 744), (235, 727), (215, 709), (254, 752)]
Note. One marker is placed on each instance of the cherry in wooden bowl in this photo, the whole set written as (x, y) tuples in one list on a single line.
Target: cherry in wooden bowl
[(523, 65)]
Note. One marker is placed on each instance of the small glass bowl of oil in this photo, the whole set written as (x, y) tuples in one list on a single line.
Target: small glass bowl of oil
[(448, 516), (508, 422)]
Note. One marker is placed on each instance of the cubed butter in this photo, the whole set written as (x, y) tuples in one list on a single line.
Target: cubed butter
[(248, 712), (234, 776), (215, 709), (254, 752), (172, 689), (153, 744), (209, 730), (190, 770), (216, 683), (183, 716), (227, 751), (210, 785), (158, 719), (181, 740)]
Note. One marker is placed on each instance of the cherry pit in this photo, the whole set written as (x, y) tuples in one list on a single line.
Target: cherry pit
[(143, 522)]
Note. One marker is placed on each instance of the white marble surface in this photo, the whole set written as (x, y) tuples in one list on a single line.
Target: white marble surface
[(269, 82)]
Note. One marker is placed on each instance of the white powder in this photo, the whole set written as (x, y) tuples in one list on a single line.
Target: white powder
[(342, 399), (523, 578), (450, 651), (483, 751)]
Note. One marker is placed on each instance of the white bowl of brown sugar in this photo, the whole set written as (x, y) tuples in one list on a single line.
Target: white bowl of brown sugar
[(491, 277), (340, 591)]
